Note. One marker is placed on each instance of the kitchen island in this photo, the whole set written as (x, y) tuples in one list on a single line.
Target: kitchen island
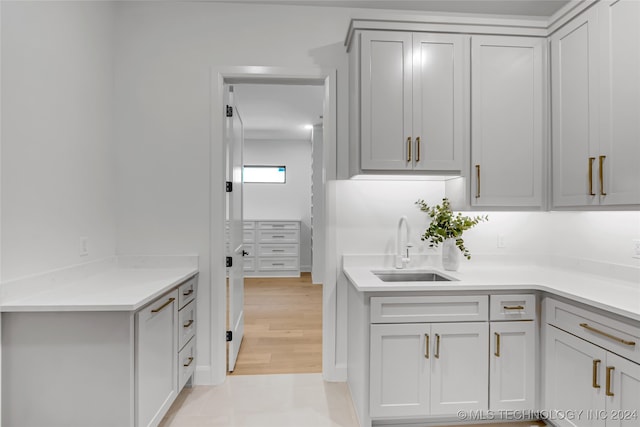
[(102, 345), (496, 342)]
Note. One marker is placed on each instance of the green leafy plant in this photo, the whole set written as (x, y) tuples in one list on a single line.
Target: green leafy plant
[(447, 225)]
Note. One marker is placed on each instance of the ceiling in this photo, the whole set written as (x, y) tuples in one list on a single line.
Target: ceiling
[(277, 111), (537, 8)]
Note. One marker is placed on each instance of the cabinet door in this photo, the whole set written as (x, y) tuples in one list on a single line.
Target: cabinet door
[(399, 370), (620, 103), (459, 367), (574, 379), (506, 115), (386, 101), (156, 359), (439, 69), (623, 408), (512, 368), (574, 107)]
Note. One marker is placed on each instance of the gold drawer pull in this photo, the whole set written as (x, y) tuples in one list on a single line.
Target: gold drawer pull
[(190, 361), (189, 323), (513, 307), (497, 353), (408, 149), (595, 384), (601, 175), (417, 149), (437, 355), (477, 181), (156, 310), (426, 346), (591, 160), (608, 389), (189, 292), (605, 334)]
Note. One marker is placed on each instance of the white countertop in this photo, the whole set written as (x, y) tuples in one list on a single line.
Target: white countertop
[(613, 295), (114, 289)]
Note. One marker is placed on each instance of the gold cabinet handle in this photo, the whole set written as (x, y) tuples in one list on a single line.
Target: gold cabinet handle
[(608, 386), (497, 353), (408, 149), (437, 355), (513, 307), (591, 160), (189, 292), (189, 323), (426, 346), (417, 149), (605, 334), (477, 181), (595, 384), (190, 361), (156, 310), (601, 174)]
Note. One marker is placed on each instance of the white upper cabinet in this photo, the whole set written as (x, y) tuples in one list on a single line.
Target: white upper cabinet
[(410, 102), (595, 64), (507, 132)]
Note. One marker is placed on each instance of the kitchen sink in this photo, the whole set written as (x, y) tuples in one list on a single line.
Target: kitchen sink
[(412, 276)]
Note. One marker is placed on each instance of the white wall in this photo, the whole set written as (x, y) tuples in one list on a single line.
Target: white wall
[(58, 181), (288, 201)]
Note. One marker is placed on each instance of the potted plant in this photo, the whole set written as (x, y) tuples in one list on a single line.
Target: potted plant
[(447, 228)]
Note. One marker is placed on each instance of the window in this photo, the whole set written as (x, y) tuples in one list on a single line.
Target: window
[(265, 174)]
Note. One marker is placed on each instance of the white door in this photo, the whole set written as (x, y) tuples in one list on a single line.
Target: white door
[(399, 370), (386, 140), (459, 378), (234, 139), (624, 386), (574, 107), (512, 367), (574, 378), (439, 70), (620, 103), (506, 120)]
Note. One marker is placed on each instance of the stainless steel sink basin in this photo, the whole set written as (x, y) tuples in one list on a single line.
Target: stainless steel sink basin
[(411, 276)]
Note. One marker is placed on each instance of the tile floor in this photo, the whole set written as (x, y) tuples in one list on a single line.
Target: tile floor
[(283, 400)]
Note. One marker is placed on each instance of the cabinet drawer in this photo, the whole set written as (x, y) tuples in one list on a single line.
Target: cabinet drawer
[(512, 307), (429, 309), (613, 335), (187, 291), (279, 225), (248, 225), (268, 264), (186, 363), (278, 250), (250, 249), (278, 236), (248, 236), (249, 264), (186, 323)]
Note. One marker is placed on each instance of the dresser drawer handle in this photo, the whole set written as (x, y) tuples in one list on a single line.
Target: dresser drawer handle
[(156, 310), (613, 337), (190, 361), (513, 307), (189, 292), (277, 250), (189, 323)]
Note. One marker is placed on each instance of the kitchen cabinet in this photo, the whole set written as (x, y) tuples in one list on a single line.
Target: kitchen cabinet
[(410, 103), (507, 128), (583, 371), (595, 63)]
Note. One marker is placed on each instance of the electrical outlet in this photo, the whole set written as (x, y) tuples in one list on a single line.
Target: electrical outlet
[(84, 246), (501, 241), (636, 248)]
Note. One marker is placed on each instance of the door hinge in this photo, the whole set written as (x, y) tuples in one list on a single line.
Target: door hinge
[(228, 186), (229, 111), (229, 261), (229, 336)]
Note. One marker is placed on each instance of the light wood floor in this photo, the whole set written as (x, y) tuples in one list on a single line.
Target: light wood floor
[(283, 327)]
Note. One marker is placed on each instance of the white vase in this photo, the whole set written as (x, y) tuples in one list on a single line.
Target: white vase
[(450, 255)]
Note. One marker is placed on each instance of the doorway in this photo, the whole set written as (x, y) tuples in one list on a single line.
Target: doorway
[(326, 166)]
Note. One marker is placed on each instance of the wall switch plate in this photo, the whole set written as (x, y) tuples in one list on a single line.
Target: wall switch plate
[(501, 241), (84, 246), (636, 248)]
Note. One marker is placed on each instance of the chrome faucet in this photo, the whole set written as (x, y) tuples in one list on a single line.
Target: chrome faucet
[(402, 251)]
